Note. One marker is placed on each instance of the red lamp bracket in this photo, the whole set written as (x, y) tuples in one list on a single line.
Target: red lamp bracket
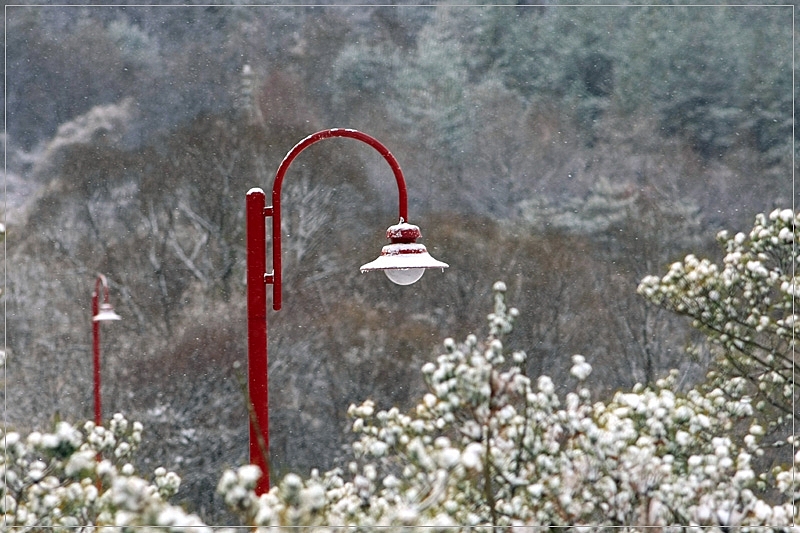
[(275, 210)]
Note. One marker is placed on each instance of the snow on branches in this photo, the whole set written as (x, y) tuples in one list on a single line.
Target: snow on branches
[(746, 306), (488, 446), (72, 478)]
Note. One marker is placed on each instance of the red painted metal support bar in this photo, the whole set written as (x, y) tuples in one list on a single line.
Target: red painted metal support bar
[(257, 370), (98, 410), (276, 192)]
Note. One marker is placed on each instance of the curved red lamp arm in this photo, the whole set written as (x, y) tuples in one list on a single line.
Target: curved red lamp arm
[(275, 209), (100, 283)]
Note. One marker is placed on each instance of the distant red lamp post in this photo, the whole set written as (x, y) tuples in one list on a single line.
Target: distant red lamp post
[(403, 261), (101, 312)]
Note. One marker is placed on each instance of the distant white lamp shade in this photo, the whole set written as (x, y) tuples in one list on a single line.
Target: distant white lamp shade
[(106, 313), (404, 263)]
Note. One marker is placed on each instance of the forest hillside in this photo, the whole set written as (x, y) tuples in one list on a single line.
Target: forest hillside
[(568, 150)]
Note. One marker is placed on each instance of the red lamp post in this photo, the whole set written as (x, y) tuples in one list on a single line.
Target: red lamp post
[(101, 312), (404, 261)]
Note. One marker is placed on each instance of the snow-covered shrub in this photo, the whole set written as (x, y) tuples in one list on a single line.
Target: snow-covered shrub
[(82, 477), (746, 307), (489, 446)]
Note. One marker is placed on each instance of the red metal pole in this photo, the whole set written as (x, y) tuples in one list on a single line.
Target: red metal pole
[(257, 369), (98, 412)]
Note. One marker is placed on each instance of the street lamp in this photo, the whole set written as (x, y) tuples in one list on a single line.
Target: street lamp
[(404, 261), (101, 312)]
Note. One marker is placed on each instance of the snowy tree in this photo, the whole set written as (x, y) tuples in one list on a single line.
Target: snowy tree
[(746, 306), (683, 65), (430, 87), (607, 205), (489, 446), (486, 446), (72, 478)]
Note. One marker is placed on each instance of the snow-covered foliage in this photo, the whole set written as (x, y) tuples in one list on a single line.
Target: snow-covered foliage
[(101, 122), (610, 207), (607, 205), (486, 446), (77, 477), (746, 307), (490, 446)]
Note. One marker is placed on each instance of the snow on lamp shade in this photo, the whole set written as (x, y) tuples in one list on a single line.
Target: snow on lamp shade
[(404, 260), (106, 312)]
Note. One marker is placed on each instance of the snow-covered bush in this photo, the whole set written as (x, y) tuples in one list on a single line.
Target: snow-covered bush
[(746, 307), (489, 446), (82, 477)]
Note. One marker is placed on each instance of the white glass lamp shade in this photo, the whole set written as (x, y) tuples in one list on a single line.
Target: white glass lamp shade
[(105, 313), (405, 262), (404, 276)]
